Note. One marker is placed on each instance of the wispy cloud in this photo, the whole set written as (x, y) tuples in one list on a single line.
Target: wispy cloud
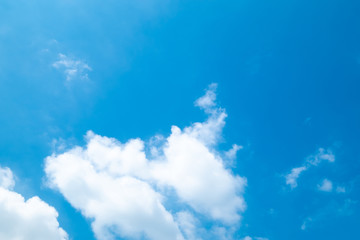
[(306, 223), (247, 238), (321, 155), (207, 102), (340, 189), (331, 210), (254, 238), (6, 178), (71, 67), (231, 153), (311, 161), (291, 178), (189, 225)]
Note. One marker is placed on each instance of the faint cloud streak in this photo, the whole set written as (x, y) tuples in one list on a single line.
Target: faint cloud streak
[(72, 68), (312, 160)]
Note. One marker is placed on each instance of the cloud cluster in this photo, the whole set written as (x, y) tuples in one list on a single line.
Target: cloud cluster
[(72, 68), (129, 193), (311, 161), (327, 185), (25, 219)]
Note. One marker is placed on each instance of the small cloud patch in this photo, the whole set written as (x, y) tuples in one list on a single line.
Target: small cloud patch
[(71, 67), (325, 186)]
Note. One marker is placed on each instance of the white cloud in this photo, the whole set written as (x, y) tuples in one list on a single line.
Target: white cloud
[(189, 225), (320, 156), (207, 102), (231, 153), (26, 219), (124, 192), (72, 68), (6, 178), (199, 177), (119, 203), (220, 233), (291, 178), (208, 132), (311, 161), (325, 186)]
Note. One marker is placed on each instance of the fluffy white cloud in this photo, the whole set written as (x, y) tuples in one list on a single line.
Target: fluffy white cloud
[(71, 68), (119, 203), (311, 161), (22, 219), (199, 177), (124, 192), (325, 186)]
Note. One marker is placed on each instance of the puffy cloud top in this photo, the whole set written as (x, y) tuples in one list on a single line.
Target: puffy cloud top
[(25, 219), (127, 193)]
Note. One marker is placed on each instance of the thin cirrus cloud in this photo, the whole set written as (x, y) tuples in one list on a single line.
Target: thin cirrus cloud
[(72, 68), (125, 191), (311, 161), (25, 219)]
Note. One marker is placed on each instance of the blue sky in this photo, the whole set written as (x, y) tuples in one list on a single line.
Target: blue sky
[(285, 73)]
